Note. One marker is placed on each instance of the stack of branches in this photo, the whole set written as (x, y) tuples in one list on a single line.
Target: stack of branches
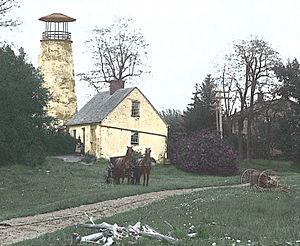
[(109, 234)]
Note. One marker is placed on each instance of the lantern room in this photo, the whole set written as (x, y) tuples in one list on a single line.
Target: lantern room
[(56, 27)]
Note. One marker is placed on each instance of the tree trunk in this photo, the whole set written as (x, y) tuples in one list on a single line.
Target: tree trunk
[(240, 138), (249, 136)]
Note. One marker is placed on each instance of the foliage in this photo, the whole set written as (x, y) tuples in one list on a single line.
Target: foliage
[(289, 134), (58, 142), (277, 166), (201, 113), (89, 159), (119, 52), (250, 67), (289, 74), (136, 155), (204, 152), (172, 117), (23, 117), (266, 128), (5, 7), (174, 120)]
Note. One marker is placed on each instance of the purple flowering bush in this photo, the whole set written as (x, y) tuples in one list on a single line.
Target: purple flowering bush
[(204, 152)]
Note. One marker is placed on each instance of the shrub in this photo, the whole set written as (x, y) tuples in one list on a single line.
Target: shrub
[(136, 155), (35, 155), (59, 142), (204, 152)]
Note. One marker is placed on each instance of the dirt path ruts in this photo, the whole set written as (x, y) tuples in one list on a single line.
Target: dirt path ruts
[(19, 229)]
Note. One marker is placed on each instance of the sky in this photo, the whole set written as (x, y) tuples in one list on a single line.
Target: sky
[(187, 39)]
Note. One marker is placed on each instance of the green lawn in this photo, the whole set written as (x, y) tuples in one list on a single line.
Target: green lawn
[(228, 217), (239, 217), (57, 185)]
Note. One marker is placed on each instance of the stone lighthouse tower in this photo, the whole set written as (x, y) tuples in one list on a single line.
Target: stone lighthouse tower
[(56, 64)]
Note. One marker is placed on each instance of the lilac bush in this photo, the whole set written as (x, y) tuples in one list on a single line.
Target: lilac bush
[(204, 152)]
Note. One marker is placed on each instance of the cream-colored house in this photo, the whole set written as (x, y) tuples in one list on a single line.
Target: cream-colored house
[(115, 119)]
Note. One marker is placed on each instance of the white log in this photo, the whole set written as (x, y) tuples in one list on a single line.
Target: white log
[(150, 232), (109, 242), (102, 226), (90, 218), (135, 229), (159, 236), (115, 232), (92, 237)]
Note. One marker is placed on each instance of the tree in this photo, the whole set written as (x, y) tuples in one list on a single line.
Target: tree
[(289, 74), (6, 6), (118, 51), (176, 131), (23, 117), (201, 113), (289, 137), (251, 67)]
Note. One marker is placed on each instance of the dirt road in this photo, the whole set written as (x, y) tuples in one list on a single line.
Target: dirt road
[(19, 229)]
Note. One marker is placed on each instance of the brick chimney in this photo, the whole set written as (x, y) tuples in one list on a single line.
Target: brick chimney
[(115, 85)]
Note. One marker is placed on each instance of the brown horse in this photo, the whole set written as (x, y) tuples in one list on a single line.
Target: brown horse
[(143, 167), (121, 165)]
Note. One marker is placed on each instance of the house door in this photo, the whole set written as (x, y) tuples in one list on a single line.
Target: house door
[(93, 140)]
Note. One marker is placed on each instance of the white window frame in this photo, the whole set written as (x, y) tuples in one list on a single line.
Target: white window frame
[(134, 138), (135, 109)]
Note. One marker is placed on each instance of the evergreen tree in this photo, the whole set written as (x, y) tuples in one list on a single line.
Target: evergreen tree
[(23, 118), (200, 114), (176, 130), (289, 136)]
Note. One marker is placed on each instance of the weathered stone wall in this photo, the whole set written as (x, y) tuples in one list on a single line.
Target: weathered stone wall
[(111, 137), (153, 131), (56, 64)]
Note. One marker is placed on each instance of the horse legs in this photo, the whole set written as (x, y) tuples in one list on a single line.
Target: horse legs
[(145, 176), (148, 174), (129, 176), (137, 175)]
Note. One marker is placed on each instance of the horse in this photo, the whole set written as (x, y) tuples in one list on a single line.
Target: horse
[(121, 165), (143, 167)]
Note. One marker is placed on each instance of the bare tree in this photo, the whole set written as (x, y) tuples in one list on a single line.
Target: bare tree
[(119, 52), (6, 6), (228, 96), (252, 64)]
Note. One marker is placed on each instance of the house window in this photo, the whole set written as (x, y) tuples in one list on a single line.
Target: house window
[(134, 138), (74, 133), (135, 109)]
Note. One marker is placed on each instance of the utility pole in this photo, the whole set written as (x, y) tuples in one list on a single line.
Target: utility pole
[(219, 118)]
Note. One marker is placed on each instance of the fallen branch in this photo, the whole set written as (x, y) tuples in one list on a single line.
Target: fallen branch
[(109, 234), (103, 226), (149, 232)]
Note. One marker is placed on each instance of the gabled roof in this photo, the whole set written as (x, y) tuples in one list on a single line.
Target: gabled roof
[(99, 107)]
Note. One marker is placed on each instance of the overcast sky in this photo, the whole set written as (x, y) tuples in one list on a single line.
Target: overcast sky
[(187, 38)]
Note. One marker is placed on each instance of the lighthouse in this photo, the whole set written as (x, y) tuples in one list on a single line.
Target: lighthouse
[(56, 64)]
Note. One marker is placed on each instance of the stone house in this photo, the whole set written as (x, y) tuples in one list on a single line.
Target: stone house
[(115, 119), (265, 126)]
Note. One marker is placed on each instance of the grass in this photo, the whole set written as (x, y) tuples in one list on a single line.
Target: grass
[(225, 217), (57, 185), (237, 217), (278, 166)]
